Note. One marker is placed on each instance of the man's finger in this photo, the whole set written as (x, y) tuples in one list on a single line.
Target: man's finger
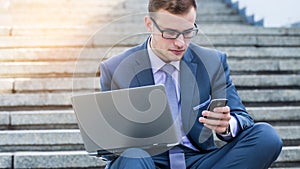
[(214, 122), (224, 110), (216, 115)]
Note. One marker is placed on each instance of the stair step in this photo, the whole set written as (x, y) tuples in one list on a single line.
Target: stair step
[(54, 54), (263, 96), (289, 134), (75, 159), (56, 84), (40, 119), (61, 3), (50, 30), (261, 52), (5, 31), (106, 11), (52, 118), (39, 140), (289, 155), (6, 160), (271, 114), (21, 85), (23, 19), (91, 68), (266, 81), (51, 68), (43, 119), (250, 65), (269, 95), (35, 99), (56, 159), (258, 41), (70, 139), (232, 29), (219, 19), (4, 120), (75, 4), (59, 160), (6, 85), (25, 42), (73, 54)]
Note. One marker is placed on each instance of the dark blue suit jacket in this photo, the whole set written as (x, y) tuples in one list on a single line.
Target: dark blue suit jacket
[(204, 75)]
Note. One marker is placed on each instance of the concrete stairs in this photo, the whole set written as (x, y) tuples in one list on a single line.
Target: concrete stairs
[(50, 50)]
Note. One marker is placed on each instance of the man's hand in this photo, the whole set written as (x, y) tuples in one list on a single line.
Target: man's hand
[(218, 120)]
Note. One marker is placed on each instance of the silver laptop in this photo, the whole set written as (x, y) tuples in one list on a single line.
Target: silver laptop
[(113, 121)]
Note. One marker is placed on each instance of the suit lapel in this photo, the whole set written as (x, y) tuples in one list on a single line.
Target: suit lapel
[(195, 90), (142, 68), (189, 92)]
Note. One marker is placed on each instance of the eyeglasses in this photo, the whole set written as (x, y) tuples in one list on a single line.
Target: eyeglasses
[(174, 34)]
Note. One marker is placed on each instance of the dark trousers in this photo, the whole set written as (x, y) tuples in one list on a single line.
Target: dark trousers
[(255, 148)]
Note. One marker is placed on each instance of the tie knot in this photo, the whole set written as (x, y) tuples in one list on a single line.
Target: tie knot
[(168, 68)]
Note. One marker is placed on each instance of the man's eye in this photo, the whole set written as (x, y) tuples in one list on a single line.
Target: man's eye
[(189, 32), (171, 33)]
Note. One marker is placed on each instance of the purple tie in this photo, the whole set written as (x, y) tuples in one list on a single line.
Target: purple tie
[(177, 160), (176, 154), (170, 87)]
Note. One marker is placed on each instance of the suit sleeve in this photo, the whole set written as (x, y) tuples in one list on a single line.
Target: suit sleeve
[(237, 109), (105, 78)]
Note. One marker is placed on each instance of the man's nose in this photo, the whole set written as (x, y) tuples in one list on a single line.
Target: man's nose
[(180, 41)]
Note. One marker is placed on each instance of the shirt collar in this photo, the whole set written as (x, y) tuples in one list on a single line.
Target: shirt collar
[(156, 62)]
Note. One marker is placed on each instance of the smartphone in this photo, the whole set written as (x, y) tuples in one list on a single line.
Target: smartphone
[(216, 103)]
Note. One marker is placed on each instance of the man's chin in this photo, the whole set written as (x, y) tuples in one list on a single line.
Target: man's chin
[(171, 57), (176, 58)]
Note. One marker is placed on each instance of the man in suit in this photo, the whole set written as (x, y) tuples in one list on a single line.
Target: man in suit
[(199, 75)]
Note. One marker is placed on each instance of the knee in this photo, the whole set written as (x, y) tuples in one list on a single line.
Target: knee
[(268, 138), (132, 158), (262, 143), (135, 153)]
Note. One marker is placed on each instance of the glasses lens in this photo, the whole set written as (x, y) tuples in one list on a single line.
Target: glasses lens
[(170, 34), (190, 33)]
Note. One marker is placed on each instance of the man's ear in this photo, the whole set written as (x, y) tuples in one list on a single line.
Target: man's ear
[(148, 23)]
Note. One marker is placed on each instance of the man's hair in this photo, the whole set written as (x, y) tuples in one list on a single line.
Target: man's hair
[(172, 6)]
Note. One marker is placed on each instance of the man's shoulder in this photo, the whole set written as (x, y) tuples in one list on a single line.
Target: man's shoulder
[(205, 53), (200, 49)]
